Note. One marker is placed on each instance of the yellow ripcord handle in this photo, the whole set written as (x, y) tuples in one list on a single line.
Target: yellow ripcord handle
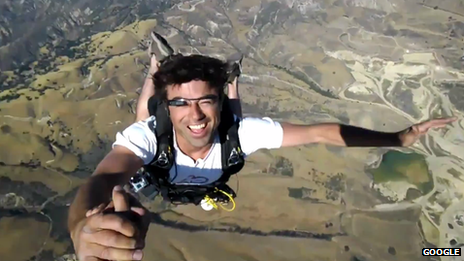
[(212, 203), (231, 199)]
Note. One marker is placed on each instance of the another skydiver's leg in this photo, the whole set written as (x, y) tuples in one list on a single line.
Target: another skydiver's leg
[(148, 90), (235, 69), (234, 98), (158, 50)]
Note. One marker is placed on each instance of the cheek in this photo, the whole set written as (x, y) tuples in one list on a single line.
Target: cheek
[(213, 113), (176, 115)]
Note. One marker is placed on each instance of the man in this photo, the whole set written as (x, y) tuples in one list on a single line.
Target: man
[(192, 87), (160, 52)]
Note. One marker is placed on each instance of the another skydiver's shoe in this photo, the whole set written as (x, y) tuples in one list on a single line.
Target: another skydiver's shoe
[(234, 66), (160, 47)]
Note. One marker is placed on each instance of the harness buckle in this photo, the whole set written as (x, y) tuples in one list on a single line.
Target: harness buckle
[(234, 157), (162, 160)]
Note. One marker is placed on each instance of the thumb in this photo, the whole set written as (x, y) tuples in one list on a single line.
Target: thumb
[(138, 210), (120, 199)]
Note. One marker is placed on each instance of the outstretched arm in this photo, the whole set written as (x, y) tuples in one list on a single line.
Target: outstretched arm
[(351, 136)]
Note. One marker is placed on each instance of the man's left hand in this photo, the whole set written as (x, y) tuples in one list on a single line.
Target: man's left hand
[(412, 134)]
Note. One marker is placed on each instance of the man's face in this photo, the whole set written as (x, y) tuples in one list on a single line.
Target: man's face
[(194, 111)]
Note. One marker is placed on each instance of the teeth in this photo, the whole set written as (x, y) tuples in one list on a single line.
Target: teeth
[(197, 127)]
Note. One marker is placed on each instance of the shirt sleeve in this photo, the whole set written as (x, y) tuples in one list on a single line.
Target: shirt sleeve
[(259, 133), (139, 138)]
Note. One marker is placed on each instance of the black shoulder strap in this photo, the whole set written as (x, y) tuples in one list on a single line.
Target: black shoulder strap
[(164, 158), (232, 156)]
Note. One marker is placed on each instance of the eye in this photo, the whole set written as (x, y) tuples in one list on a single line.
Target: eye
[(206, 101), (177, 103)]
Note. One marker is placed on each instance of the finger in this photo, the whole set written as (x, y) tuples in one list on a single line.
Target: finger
[(437, 123), (443, 120), (90, 258), (100, 208), (424, 127), (109, 208), (114, 222), (95, 210), (451, 119), (120, 199), (440, 125), (91, 212), (110, 238), (446, 120), (110, 253), (139, 211), (110, 205)]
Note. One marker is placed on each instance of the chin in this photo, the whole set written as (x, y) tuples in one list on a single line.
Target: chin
[(199, 143)]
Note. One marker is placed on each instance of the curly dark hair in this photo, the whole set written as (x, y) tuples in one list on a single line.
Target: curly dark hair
[(177, 69)]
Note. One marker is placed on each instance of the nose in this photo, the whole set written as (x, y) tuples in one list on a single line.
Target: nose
[(195, 112)]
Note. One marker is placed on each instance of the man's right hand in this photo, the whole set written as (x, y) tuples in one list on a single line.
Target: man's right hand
[(108, 236)]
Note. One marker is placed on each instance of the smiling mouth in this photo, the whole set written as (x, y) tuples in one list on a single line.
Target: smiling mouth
[(197, 129)]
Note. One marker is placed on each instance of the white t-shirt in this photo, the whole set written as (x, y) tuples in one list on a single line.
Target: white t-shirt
[(254, 134)]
